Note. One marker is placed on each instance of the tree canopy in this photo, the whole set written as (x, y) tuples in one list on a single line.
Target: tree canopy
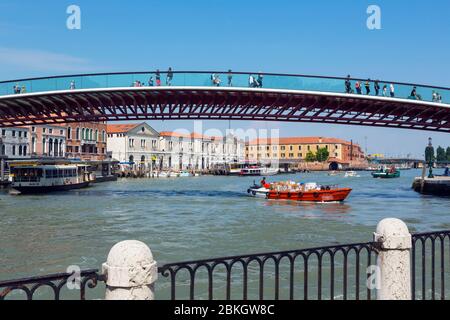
[(310, 157), (322, 154)]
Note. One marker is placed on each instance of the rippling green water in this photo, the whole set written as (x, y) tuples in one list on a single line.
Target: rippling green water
[(194, 218)]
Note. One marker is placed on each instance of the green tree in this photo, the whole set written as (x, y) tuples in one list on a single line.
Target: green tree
[(440, 154), (310, 157), (322, 154), (448, 153)]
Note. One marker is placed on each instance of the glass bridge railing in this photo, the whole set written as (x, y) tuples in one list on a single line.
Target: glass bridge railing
[(238, 80)]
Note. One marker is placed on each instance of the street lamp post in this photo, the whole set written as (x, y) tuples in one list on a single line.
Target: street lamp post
[(429, 157)]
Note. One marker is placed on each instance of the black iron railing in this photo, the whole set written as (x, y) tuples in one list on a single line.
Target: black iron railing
[(332, 272), (430, 265), (54, 282)]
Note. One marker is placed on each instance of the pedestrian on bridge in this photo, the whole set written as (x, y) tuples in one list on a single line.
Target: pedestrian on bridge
[(392, 90), (377, 87), (158, 78), (367, 85), (259, 81), (169, 77), (230, 78), (348, 85), (385, 90), (358, 87)]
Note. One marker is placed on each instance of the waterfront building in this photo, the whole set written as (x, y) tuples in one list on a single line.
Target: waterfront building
[(135, 144), (195, 151), (292, 151), (86, 141), (47, 141), (183, 151), (14, 143)]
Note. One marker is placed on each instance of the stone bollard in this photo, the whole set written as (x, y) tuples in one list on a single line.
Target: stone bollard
[(393, 262), (130, 272)]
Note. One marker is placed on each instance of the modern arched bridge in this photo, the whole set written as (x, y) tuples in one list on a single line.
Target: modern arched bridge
[(193, 95)]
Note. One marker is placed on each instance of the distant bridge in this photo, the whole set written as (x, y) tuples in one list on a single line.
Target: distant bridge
[(192, 95)]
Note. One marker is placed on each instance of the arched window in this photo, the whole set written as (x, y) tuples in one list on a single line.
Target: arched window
[(20, 150), (78, 134), (83, 132), (103, 136), (61, 149), (55, 149), (33, 145), (90, 135), (44, 146), (131, 159), (3, 150), (24, 150), (50, 147), (69, 133), (96, 135)]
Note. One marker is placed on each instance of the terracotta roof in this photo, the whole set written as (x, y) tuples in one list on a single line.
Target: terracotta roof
[(121, 128), (299, 140)]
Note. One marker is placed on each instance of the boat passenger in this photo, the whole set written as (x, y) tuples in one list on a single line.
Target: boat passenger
[(263, 182)]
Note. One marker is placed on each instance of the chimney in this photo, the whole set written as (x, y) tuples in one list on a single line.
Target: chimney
[(351, 150)]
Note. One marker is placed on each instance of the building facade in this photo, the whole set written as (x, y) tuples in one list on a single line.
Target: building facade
[(47, 141), (86, 141), (135, 144), (295, 149), (141, 146), (14, 143)]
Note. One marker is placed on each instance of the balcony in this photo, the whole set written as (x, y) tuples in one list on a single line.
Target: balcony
[(88, 142)]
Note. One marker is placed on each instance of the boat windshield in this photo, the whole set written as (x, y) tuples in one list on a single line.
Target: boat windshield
[(27, 174)]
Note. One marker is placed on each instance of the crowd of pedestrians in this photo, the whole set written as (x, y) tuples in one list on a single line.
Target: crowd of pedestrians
[(436, 97), (388, 90), (19, 89)]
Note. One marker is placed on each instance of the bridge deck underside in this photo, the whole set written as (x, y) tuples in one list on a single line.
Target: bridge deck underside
[(216, 104)]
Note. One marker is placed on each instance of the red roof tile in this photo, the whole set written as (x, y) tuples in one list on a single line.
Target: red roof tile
[(121, 128), (299, 140)]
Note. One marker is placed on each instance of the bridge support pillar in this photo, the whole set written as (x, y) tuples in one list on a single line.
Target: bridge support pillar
[(394, 272), (130, 271)]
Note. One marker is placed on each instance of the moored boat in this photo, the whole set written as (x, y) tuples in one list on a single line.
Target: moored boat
[(35, 177), (258, 171)]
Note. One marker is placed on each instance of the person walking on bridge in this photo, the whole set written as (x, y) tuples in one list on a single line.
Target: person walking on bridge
[(358, 87), (230, 78), (259, 81), (385, 90), (348, 85), (158, 78), (377, 87), (169, 77), (392, 90), (367, 85)]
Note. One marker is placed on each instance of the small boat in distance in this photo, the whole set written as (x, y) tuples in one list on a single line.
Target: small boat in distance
[(386, 173), (351, 174), (258, 171), (36, 177)]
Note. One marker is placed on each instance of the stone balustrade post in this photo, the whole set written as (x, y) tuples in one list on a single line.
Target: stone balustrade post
[(394, 264), (130, 272), (2, 169)]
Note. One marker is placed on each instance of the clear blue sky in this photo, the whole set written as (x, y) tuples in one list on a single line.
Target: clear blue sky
[(309, 37)]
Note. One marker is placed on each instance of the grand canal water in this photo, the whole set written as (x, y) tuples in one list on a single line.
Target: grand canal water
[(194, 218)]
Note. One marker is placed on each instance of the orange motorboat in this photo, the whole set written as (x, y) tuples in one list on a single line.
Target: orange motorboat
[(325, 195)]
